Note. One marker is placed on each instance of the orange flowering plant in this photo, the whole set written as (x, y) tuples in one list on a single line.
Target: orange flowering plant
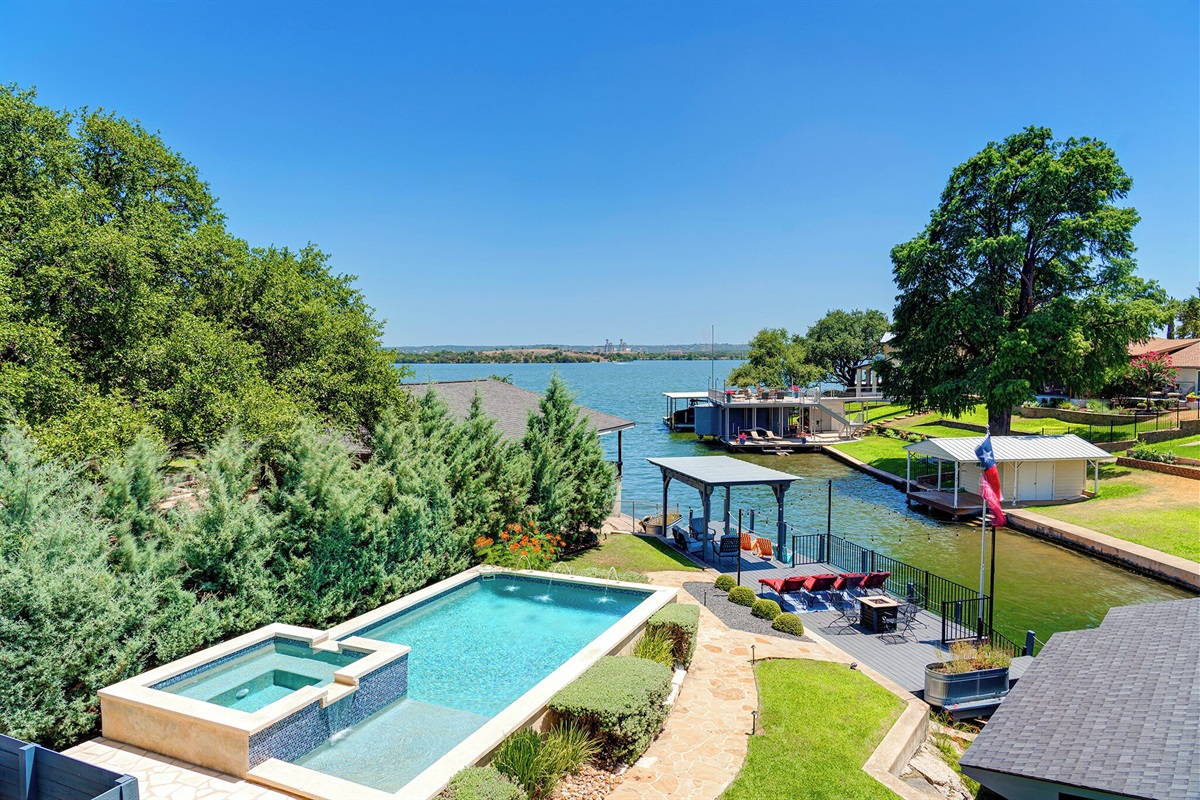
[(519, 545)]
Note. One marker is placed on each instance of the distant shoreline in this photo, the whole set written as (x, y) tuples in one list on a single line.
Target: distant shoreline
[(542, 355)]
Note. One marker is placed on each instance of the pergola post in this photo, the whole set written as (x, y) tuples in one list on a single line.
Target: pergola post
[(781, 542), (706, 503), (726, 531), (957, 468), (1016, 493), (666, 485), (621, 465), (939, 486), (907, 474)]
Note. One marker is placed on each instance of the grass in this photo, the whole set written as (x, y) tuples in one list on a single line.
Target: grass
[(630, 552), (1143, 507), (1187, 446), (820, 722), (880, 412), (884, 453), (934, 429)]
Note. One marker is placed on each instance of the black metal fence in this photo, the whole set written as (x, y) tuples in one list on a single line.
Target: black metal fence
[(960, 607)]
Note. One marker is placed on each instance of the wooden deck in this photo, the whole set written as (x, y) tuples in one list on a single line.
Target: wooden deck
[(969, 504), (901, 661)]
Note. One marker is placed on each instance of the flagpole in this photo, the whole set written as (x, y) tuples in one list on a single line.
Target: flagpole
[(982, 551)]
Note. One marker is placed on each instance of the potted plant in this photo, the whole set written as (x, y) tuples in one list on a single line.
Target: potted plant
[(974, 671)]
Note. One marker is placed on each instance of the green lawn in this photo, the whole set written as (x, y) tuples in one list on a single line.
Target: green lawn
[(1187, 446), (880, 412), (1147, 508), (884, 453), (820, 722), (630, 552), (934, 429)]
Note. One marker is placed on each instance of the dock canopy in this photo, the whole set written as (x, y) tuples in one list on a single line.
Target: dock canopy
[(707, 473), (1033, 469)]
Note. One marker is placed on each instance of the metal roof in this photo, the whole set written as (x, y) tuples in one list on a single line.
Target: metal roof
[(1063, 447), (720, 471), (509, 405), (1114, 709), (685, 395)]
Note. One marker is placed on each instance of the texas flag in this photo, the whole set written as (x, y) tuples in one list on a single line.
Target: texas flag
[(989, 480)]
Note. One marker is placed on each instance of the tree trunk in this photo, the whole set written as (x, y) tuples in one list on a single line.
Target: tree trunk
[(999, 421), (1171, 329)]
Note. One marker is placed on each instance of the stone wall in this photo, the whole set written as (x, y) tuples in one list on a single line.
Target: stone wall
[(1088, 417), (1187, 427), (1178, 470)]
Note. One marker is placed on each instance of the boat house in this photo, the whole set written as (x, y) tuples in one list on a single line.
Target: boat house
[(1033, 469), (774, 420)]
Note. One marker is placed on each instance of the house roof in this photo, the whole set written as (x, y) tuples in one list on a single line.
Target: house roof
[(509, 405), (1063, 447), (1158, 345), (1114, 709), (720, 471), (1187, 357)]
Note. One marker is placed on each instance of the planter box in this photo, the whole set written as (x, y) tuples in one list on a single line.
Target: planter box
[(943, 689), (30, 771)]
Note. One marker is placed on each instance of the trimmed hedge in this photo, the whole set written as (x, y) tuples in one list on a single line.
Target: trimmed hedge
[(788, 623), (725, 583), (679, 621), (619, 701), (482, 783), (742, 595), (765, 609)]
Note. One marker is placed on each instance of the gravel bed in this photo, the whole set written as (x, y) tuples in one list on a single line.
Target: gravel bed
[(733, 615)]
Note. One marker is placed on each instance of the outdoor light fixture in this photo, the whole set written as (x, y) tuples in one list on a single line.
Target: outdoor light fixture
[(751, 654), (753, 722), (853, 665)]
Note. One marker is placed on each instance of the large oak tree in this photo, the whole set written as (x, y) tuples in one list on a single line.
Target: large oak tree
[(1023, 276)]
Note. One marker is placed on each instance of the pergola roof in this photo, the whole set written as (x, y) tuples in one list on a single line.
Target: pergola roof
[(1063, 447), (716, 471), (685, 395), (509, 405)]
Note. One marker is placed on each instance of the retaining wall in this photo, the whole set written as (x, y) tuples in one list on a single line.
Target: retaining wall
[(1089, 417), (1178, 470)]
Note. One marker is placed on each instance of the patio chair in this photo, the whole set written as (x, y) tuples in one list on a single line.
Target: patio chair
[(875, 583), (685, 543), (728, 546), (849, 581), (753, 434), (899, 628), (763, 547), (849, 613), (747, 541), (773, 436), (781, 586)]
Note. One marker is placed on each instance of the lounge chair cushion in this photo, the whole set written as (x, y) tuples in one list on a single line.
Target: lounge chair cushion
[(849, 580), (819, 583)]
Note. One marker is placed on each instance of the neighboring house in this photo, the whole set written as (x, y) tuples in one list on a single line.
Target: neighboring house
[(1185, 357), (868, 382), (511, 406), (1103, 714)]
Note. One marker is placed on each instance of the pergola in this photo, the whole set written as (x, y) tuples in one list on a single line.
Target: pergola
[(707, 473)]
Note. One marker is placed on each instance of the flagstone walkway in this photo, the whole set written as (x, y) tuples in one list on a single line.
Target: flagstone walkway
[(703, 746)]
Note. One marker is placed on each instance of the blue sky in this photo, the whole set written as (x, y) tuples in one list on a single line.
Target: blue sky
[(566, 172)]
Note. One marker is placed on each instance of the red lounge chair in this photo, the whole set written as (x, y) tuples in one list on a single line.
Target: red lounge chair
[(849, 580), (783, 586), (819, 583), (876, 581)]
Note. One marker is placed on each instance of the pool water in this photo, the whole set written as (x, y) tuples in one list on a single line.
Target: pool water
[(475, 650), (261, 676)]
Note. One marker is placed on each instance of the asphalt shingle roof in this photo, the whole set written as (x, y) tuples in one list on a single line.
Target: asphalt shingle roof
[(507, 404), (1115, 709)]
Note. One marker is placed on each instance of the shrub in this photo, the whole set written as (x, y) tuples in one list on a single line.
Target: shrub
[(1143, 453), (788, 623), (725, 583), (523, 758), (656, 645), (765, 609), (619, 702), (679, 621), (482, 783), (1097, 406), (968, 657), (568, 747), (742, 595)]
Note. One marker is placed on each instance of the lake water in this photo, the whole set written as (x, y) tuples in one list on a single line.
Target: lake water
[(1039, 586)]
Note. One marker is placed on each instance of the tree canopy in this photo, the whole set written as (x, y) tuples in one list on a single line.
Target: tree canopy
[(777, 358), (123, 293), (842, 340), (1024, 275)]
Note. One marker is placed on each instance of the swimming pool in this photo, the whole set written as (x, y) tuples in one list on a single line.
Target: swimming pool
[(475, 650), (394, 701)]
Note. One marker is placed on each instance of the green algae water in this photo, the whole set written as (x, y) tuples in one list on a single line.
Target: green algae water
[(1039, 585)]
